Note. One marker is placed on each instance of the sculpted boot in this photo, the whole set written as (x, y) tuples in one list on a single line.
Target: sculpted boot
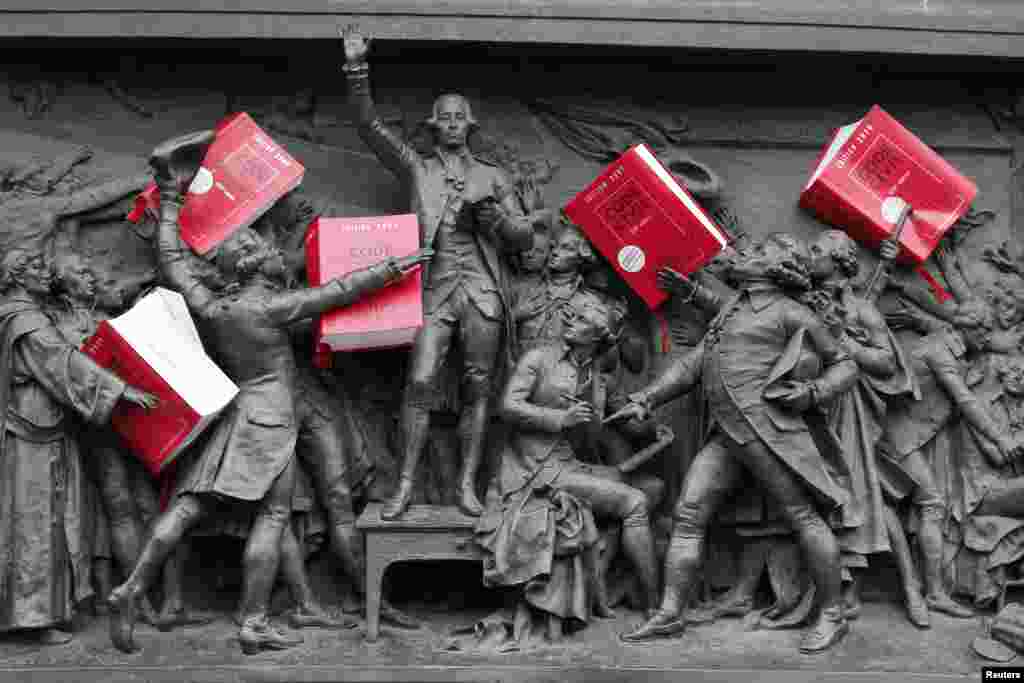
[(257, 634), (826, 631), (415, 426)]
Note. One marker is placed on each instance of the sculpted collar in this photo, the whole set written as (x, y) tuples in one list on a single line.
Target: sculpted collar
[(446, 157), (762, 294)]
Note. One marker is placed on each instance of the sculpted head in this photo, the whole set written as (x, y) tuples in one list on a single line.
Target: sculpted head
[(246, 254), (1011, 374), (534, 259), (452, 121), (570, 252), (75, 277), (590, 320), (975, 321), (834, 252), (28, 269), (778, 257)]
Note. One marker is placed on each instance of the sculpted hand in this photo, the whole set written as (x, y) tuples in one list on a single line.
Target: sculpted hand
[(889, 250), (407, 264), (796, 396), (142, 399), (356, 44), (676, 284), (577, 414), (631, 411), (488, 213), (175, 162)]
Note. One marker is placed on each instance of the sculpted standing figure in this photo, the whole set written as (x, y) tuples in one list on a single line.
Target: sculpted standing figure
[(249, 455), (468, 214), (858, 416), (912, 426), (43, 568), (758, 428)]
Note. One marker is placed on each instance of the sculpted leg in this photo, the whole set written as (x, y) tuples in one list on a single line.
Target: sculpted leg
[(480, 339), (307, 612), (260, 565), (428, 353), (168, 531), (917, 610), (821, 550), (711, 476), (929, 500)]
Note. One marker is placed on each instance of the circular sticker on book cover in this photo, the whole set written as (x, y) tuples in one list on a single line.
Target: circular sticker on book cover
[(892, 207), (202, 183), (632, 258)]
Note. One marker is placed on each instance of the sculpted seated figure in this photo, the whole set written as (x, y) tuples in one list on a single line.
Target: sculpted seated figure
[(538, 515), (757, 427)]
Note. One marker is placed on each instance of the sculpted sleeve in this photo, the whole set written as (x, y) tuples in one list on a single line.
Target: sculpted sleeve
[(516, 407), (394, 152), (69, 376), (877, 357), (175, 258), (677, 379), (840, 370), (287, 308)]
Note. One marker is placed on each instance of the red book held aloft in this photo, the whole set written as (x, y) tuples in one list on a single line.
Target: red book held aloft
[(154, 346), (243, 174), (867, 172), (388, 318), (641, 219)]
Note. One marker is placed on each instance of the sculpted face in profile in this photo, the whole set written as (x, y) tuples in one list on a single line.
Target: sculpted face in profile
[(78, 279)]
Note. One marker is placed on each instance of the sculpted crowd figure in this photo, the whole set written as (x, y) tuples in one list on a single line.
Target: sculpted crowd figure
[(829, 399)]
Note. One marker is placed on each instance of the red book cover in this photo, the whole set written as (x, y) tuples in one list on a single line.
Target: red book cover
[(243, 174), (866, 173), (641, 219), (150, 348), (388, 318)]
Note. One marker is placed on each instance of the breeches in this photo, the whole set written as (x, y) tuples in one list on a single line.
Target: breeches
[(321, 447), (479, 339), (718, 469)]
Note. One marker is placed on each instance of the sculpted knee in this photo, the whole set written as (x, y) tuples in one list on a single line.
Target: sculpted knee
[(636, 510), (688, 519)]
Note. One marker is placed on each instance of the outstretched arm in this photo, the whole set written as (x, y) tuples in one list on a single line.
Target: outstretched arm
[(290, 307), (98, 196), (396, 154), (949, 263)]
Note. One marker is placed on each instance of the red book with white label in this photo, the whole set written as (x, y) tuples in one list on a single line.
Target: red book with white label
[(642, 220), (243, 174), (867, 172), (154, 346), (388, 318)]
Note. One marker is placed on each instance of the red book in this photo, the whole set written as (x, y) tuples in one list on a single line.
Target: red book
[(866, 173), (154, 346), (641, 219), (243, 174), (385, 319)]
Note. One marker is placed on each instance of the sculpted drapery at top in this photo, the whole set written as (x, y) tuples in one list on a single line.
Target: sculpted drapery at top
[(467, 211), (742, 363), (249, 454)]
